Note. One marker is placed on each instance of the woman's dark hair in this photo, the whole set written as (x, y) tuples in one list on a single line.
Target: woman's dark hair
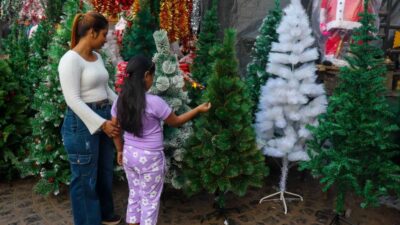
[(84, 22), (132, 99)]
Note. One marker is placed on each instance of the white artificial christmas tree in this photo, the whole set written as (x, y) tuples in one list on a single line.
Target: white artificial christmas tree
[(168, 84), (291, 99), (111, 47)]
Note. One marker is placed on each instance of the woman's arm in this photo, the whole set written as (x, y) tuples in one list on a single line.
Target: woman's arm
[(176, 121)]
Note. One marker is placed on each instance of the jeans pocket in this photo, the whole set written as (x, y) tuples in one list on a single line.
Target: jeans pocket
[(80, 164)]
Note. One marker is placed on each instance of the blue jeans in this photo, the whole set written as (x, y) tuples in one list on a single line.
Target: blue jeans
[(91, 159)]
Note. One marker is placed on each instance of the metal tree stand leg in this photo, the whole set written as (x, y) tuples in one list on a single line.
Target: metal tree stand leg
[(282, 187), (220, 211)]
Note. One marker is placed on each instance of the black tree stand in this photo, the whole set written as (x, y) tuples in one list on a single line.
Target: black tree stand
[(220, 210)]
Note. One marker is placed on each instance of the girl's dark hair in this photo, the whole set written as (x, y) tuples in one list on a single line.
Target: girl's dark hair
[(84, 22), (132, 99)]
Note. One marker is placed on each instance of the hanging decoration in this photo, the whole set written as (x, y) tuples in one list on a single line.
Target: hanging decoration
[(175, 19), (32, 11), (120, 29), (110, 8), (120, 76), (125, 4), (130, 13), (195, 16)]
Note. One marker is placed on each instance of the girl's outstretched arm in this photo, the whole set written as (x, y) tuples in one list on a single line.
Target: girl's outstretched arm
[(176, 121)]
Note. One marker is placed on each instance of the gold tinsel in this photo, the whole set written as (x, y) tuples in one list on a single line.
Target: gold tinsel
[(175, 18)]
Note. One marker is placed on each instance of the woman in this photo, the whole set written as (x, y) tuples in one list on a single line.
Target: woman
[(87, 129)]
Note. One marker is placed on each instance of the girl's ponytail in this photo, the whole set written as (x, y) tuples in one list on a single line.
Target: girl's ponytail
[(74, 33)]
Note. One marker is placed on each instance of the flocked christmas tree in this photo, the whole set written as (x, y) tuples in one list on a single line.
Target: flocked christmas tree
[(138, 39), (168, 84), (222, 155), (352, 148), (13, 122), (47, 157), (256, 69), (291, 99), (202, 64)]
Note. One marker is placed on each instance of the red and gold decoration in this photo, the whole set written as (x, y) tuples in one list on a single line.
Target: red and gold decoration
[(184, 66), (125, 4), (175, 18), (120, 76), (110, 8)]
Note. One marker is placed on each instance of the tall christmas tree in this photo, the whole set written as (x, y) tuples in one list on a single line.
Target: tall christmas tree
[(16, 46), (291, 99), (13, 122), (222, 155), (47, 157), (352, 148), (256, 69), (138, 39), (169, 85), (38, 56), (202, 64)]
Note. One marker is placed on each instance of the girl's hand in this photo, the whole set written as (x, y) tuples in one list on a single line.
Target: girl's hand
[(204, 107), (110, 128), (119, 157)]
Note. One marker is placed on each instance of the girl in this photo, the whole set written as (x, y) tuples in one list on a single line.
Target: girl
[(139, 114), (87, 123)]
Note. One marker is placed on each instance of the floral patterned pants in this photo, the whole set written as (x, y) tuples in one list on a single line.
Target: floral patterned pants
[(145, 172)]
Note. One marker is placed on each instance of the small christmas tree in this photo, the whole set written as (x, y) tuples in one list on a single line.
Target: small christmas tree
[(138, 39), (256, 69), (202, 64), (168, 84), (222, 155), (13, 123), (291, 99), (352, 148), (47, 157)]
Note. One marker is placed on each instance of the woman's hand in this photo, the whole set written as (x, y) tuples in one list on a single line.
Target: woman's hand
[(204, 107), (110, 128), (119, 157)]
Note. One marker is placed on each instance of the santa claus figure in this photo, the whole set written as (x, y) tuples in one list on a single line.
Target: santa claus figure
[(337, 19)]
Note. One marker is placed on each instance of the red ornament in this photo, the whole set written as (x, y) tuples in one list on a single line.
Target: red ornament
[(51, 180)]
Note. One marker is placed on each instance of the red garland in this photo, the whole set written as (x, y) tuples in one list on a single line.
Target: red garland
[(125, 4)]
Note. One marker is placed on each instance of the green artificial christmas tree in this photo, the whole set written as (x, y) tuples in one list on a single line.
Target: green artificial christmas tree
[(138, 39), (53, 10), (256, 69), (222, 155), (202, 64), (13, 123), (47, 157), (168, 84), (352, 149), (38, 58), (16, 46)]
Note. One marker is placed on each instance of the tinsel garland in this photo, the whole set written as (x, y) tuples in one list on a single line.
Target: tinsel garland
[(125, 4), (107, 7), (131, 12), (175, 19), (195, 17)]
